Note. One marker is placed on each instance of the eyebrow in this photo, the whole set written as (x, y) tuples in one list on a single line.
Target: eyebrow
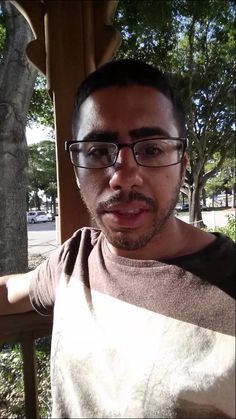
[(101, 136), (135, 134), (148, 132)]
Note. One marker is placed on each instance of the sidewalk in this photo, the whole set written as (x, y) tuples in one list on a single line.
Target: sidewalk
[(212, 219), (41, 239)]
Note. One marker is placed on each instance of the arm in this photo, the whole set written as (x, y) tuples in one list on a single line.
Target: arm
[(14, 294)]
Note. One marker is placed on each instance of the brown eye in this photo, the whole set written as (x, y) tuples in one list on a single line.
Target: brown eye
[(98, 152)]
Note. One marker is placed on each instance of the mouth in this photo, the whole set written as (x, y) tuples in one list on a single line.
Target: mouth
[(126, 216)]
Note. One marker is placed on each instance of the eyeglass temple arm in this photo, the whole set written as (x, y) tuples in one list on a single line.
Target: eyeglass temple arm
[(67, 145)]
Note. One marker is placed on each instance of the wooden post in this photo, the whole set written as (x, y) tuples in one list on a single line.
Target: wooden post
[(30, 377)]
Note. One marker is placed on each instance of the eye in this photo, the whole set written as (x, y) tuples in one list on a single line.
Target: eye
[(98, 151), (152, 150), (149, 149)]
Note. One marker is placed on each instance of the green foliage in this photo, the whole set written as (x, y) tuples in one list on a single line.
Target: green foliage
[(223, 180), (230, 228), (41, 106), (42, 169), (11, 380), (2, 34)]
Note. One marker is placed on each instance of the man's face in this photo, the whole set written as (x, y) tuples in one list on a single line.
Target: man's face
[(132, 204)]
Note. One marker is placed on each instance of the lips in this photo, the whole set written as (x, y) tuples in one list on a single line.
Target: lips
[(127, 212), (126, 216)]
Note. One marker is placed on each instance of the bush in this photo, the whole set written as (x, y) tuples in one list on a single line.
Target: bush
[(229, 230), (11, 382), (12, 403)]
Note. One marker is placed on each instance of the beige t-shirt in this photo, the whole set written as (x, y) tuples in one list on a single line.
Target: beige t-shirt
[(139, 339)]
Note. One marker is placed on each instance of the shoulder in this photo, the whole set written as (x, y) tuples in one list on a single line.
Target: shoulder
[(76, 248), (222, 251), (69, 257), (85, 236), (215, 263)]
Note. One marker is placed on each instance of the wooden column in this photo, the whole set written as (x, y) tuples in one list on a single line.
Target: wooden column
[(65, 62)]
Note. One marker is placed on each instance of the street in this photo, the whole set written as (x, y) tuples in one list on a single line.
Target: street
[(42, 237)]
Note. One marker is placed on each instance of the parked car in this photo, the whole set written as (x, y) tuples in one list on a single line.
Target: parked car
[(204, 207), (185, 207), (182, 207), (51, 216), (37, 217)]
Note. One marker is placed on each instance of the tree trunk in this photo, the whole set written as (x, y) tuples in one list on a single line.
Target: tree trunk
[(37, 201), (53, 209), (204, 196), (234, 196), (195, 214), (17, 77), (226, 199), (213, 201)]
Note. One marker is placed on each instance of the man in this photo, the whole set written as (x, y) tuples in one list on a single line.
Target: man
[(143, 305)]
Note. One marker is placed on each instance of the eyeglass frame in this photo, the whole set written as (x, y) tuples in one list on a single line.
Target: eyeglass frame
[(119, 146)]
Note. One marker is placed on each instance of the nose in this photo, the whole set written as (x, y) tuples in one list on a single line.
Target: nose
[(126, 172)]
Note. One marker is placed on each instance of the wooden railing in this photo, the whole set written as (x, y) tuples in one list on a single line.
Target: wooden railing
[(25, 328)]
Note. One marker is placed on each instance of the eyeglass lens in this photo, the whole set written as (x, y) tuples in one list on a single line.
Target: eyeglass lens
[(149, 153)]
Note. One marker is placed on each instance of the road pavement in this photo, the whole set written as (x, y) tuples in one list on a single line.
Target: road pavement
[(42, 237)]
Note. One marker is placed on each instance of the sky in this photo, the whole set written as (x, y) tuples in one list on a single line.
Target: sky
[(36, 134)]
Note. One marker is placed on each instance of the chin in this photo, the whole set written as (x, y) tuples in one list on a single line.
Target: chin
[(128, 240)]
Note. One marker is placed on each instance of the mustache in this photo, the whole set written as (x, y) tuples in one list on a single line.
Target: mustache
[(122, 197)]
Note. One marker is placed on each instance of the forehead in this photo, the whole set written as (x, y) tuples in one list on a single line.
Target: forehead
[(125, 108)]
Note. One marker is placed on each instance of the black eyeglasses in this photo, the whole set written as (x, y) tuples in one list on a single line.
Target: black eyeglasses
[(151, 152)]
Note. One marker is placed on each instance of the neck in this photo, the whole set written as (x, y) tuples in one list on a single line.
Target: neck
[(176, 239)]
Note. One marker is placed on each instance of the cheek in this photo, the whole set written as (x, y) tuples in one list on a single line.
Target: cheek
[(169, 176), (90, 185), (169, 181)]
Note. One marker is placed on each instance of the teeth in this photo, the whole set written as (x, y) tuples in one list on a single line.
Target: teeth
[(129, 212)]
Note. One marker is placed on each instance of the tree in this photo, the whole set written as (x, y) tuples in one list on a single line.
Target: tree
[(17, 77), (193, 42), (208, 87), (42, 172), (224, 181), (41, 106)]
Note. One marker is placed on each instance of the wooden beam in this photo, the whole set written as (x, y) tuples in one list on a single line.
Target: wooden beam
[(13, 326)]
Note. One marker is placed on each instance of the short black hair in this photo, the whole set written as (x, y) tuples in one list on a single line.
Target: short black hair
[(125, 73)]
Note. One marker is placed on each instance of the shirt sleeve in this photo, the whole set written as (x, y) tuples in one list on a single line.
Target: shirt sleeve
[(46, 277), (43, 284)]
